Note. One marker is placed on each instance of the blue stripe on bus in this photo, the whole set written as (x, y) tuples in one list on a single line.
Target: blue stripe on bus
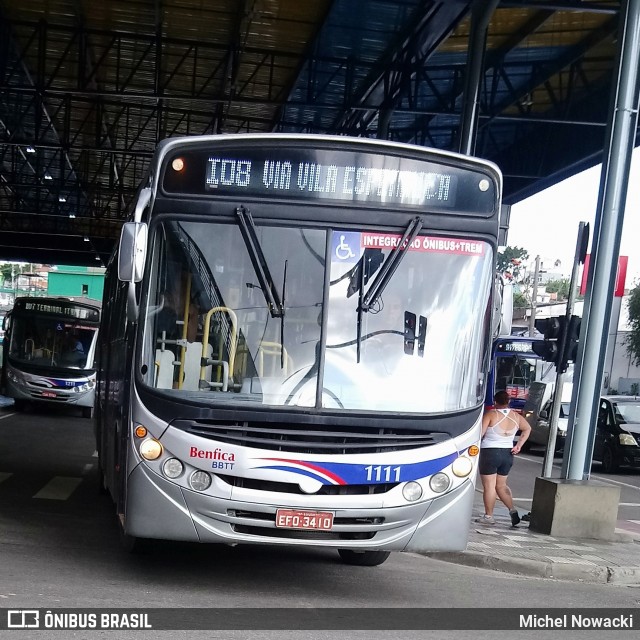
[(56, 382), (349, 473)]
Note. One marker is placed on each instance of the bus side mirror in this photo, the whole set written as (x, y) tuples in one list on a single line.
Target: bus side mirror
[(132, 251)]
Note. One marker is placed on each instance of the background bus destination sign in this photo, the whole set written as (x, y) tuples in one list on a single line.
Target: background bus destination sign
[(515, 346), (341, 176)]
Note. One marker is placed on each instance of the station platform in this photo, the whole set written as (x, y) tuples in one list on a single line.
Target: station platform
[(517, 550)]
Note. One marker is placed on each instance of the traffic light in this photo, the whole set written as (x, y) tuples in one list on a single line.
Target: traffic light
[(571, 343), (550, 350)]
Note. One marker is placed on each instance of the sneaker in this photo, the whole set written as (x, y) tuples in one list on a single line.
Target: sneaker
[(526, 517), (485, 519), (515, 518)]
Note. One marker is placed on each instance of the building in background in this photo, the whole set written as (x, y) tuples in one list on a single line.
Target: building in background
[(76, 282)]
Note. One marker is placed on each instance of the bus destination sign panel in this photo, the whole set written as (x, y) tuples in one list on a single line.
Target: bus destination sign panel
[(71, 311), (333, 181), (331, 175), (515, 347)]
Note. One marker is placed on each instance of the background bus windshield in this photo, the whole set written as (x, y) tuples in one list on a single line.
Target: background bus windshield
[(49, 341)]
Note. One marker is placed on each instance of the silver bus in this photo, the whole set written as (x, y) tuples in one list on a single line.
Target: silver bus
[(48, 352), (295, 342)]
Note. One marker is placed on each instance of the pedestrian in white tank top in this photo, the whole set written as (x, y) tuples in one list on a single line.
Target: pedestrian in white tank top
[(499, 428)]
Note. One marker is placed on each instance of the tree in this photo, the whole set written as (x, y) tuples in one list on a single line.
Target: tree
[(14, 268), (510, 262), (520, 301), (561, 287), (5, 273), (632, 340)]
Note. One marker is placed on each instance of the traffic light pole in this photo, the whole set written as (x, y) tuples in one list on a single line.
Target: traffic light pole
[(534, 297), (547, 465), (621, 136)]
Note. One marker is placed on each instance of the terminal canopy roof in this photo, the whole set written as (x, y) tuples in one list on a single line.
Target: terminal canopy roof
[(87, 90)]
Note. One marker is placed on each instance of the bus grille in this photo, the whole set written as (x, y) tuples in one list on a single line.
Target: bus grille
[(309, 439), (324, 490)]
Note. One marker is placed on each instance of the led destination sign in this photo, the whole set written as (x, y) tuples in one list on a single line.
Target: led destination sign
[(80, 313), (515, 347), (334, 181), (339, 175)]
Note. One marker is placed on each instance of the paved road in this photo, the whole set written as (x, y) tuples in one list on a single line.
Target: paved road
[(59, 548), (528, 466)]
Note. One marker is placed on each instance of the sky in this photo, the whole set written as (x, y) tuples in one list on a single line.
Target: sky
[(546, 224)]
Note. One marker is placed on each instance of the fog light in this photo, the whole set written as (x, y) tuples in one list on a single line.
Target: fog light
[(439, 482), (200, 481), (412, 491), (172, 468), (461, 467), (150, 449)]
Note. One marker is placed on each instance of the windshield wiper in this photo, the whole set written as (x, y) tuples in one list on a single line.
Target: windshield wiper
[(269, 291), (390, 265)]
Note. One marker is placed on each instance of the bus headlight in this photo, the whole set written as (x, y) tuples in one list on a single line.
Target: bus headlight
[(627, 439), (14, 376), (200, 481), (150, 449), (462, 467), (412, 491), (83, 388), (172, 468), (439, 482)]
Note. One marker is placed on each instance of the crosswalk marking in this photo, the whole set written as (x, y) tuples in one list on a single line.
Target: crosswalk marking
[(7, 415), (58, 488)]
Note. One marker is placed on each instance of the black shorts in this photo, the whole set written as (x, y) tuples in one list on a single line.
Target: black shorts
[(496, 460)]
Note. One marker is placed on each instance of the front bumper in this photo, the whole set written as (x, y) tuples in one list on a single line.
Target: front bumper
[(157, 508)]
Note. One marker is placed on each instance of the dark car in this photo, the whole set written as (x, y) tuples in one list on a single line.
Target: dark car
[(617, 441)]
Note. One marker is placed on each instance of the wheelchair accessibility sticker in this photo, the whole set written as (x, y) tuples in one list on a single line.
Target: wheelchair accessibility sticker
[(346, 247)]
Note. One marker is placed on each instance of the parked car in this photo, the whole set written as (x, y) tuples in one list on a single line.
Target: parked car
[(617, 440), (537, 411), (540, 430)]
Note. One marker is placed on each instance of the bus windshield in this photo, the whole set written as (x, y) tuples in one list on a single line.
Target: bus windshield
[(47, 341), (515, 373), (211, 335)]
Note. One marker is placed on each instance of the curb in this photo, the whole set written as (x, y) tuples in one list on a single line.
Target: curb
[(629, 576)]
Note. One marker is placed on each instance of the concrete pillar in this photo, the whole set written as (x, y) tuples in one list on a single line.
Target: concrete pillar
[(575, 508)]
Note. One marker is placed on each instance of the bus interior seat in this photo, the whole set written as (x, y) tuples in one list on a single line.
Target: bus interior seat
[(164, 368), (273, 351), (192, 357)]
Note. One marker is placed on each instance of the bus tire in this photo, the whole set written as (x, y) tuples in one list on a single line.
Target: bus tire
[(363, 558), (87, 412), (103, 490), (609, 462), (132, 544)]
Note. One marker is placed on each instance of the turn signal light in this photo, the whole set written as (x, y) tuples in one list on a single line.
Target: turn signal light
[(473, 450), (140, 431)]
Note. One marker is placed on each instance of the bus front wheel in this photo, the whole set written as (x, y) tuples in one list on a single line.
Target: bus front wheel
[(133, 544), (363, 558)]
